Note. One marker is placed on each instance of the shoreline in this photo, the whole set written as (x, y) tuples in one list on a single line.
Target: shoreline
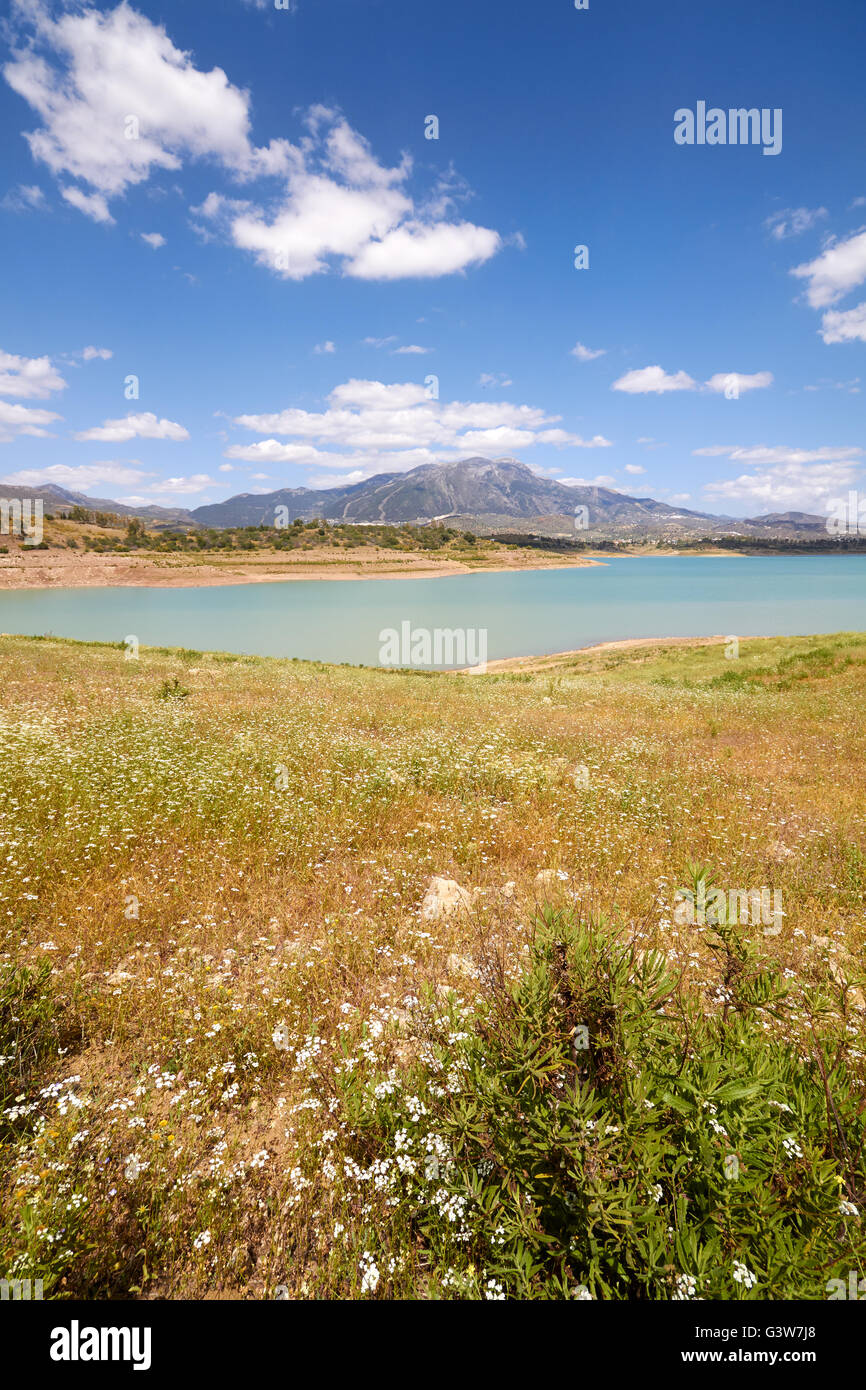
[(539, 663), (97, 572)]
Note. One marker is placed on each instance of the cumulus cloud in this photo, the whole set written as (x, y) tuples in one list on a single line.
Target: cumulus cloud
[(645, 380), (79, 477), (844, 325), (153, 239), (143, 426), (117, 101), (721, 381), (183, 487), (423, 252), (27, 377), (93, 205), (634, 468), (368, 424), (22, 419), (790, 222), (411, 350), (326, 347), (655, 380), (839, 268), (90, 353), (789, 486), (585, 354)]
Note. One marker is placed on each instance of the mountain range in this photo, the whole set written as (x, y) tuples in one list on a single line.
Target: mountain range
[(486, 494)]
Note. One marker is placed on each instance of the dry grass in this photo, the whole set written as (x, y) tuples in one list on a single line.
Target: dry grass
[(274, 830)]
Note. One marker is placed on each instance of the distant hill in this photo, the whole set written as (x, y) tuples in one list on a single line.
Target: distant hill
[(60, 499), (471, 488), (486, 495)]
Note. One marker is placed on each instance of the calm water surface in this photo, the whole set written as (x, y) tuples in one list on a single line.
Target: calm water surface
[(524, 613)]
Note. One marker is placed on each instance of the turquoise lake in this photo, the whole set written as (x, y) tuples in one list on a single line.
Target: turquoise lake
[(528, 613)]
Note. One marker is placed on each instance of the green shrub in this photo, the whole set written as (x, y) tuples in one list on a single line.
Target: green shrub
[(596, 1130), (172, 690)]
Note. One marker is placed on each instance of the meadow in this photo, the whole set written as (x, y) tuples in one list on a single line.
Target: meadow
[(329, 982)]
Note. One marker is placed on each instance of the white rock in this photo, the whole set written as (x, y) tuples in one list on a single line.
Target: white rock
[(778, 852), (444, 898), (461, 965)]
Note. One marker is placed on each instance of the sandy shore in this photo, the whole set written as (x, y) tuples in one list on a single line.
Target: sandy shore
[(61, 570), (541, 663)]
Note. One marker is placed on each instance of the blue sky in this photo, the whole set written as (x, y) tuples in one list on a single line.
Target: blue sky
[(237, 206)]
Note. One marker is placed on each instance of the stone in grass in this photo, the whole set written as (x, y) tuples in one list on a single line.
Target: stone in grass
[(461, 965), (548, 876), (779, 852), (444, 898), (853, 994)]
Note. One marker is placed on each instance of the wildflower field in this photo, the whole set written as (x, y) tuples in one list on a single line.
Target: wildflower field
[(323, 982)]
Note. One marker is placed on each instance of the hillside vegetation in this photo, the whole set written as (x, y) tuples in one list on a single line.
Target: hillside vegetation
[(250, 1050)]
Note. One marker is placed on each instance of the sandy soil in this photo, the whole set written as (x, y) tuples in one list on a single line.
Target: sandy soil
[(47, 569), (541, 663)]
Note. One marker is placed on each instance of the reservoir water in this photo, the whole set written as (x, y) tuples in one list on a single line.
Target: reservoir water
[(523, 613)]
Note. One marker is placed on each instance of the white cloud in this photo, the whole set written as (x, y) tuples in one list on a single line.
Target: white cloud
[(368, 424), (411, 350), (762, 454), (226, 468), (27, 197), (793, 221), (758, 381), (326, 347), (380, 342), (143, 426), (22, 419), (585, 354), (417, 251), (791, 486), (80, 477), (603, 480), (182, 487), (634, 468), (153, 239), (339, 479), (93, 205), (117, 101), (845, 326), (840, 268), (90, 353), (340, 204), (644, 380), (654, 380), (87, 73), (27, 377), (494, 379)]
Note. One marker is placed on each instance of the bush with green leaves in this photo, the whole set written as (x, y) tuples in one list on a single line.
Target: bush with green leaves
[(596, 1129)]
